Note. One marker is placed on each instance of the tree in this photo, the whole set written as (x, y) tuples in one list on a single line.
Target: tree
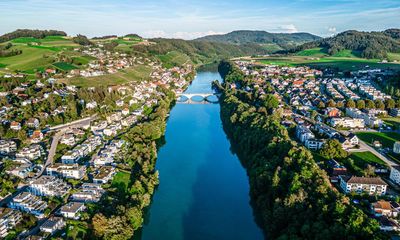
[(100, 224), (331, 103), (350, 104), (390, 103), (340, 104), (361, 104), (333, 149), (369, 104), (321, 105), (379, 104)]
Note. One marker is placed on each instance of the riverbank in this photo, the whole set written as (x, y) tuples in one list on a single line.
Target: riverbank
[(291, 195)]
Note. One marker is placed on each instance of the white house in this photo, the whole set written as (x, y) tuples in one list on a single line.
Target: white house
[(72, 210), (396, 147), (395, 174), (372, 185), (52, 225)]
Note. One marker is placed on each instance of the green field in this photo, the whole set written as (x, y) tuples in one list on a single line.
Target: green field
[(360, 158), (121, 179), (63, 66), (313, 52), (387, 139), (173, 58), (39, 57), (341, 63), (136, 73)]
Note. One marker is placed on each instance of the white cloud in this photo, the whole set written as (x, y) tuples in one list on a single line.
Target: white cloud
[(289, 28), (332, 30), (180, 34)]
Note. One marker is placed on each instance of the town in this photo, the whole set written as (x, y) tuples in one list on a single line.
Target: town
[(62, 146), (346, 122)]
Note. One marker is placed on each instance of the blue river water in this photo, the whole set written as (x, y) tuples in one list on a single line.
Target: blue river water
[(204, 190)]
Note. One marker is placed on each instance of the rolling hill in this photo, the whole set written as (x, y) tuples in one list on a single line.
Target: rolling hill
[(378, 45), (263, 38)]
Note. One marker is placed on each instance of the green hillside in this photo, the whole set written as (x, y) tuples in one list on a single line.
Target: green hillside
[(278, 40), (38, 54), (370, 45)]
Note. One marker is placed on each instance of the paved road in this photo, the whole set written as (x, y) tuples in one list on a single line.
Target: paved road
[(61, 129), (77, 123)]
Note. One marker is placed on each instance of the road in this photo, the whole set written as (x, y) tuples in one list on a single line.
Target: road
[(77, 123), (61, 129)]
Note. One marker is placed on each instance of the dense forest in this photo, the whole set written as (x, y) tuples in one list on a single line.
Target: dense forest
[(199, 51), (30, 33), (292, 196), (283, 40), (366, 44)]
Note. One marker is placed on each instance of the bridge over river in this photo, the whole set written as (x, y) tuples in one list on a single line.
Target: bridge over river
[(197, 98)]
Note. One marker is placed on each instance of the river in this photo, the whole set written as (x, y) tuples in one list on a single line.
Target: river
[(204, 190)]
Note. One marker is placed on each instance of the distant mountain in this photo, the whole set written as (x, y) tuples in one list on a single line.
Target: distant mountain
[(283, 40), (365, 44)]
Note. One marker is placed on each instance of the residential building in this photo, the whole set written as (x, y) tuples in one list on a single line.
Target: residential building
[(396, 147), (89, 192), (29, 203), (33, 123), (73, 171), (372, 185), (49, 186), (31, 152), (347, 122), (104, 174), (7, 147), (314, 144), (16, 126), (72, 210), (9, 218), (395, 174), (303, 133), (384, 208), (52, 225)]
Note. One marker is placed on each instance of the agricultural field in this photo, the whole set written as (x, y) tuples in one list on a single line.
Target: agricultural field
[(38, 54), (136, 73), (173, 59), (63, 66), (387, 139), (319, 61)]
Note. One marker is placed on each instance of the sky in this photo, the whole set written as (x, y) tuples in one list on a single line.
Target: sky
[(190, 19)]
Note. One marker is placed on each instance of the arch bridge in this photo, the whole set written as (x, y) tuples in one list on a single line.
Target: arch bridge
[(197, 98)]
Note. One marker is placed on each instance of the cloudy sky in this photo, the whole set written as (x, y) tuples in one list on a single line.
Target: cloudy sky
[(189, 19)]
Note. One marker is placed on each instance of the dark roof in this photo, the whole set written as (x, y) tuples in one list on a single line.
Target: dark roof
[(366, 180)]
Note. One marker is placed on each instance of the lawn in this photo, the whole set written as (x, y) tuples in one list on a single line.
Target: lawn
[(387, 139), (121, 179), (63, 66), (76, 229), (366, 157), (136, 73)]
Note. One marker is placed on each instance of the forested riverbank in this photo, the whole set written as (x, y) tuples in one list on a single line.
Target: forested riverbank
[(291, 195)]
